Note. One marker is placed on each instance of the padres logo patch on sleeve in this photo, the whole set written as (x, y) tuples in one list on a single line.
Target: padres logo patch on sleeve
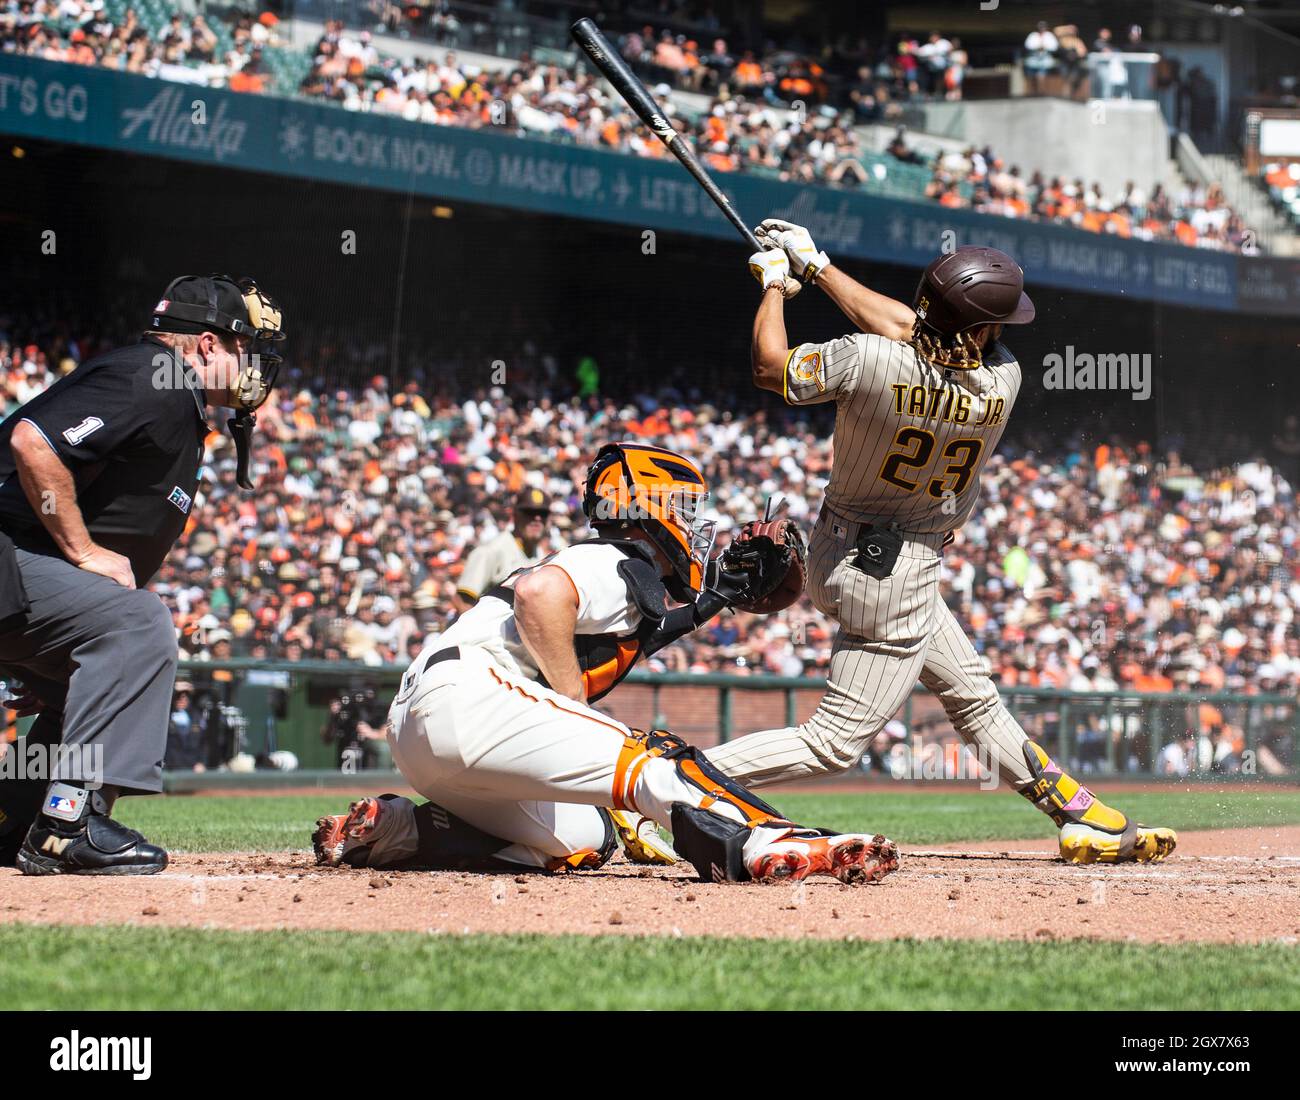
[(809, 369)]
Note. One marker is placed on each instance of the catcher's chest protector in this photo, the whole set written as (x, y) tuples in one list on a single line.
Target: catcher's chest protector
[(606, 658)]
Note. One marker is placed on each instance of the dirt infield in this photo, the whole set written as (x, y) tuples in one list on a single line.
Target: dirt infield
[(1233, 886)]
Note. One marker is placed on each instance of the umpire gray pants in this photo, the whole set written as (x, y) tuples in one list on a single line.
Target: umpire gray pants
[(104, 658)]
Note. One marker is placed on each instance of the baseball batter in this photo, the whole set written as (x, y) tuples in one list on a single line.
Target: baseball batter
[(923, 395), (493, 723)]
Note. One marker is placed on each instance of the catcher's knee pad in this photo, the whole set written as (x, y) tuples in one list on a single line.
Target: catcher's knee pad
[(713, 845)]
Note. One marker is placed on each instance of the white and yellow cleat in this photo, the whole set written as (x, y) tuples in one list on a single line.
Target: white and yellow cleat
[(641, 839), (1091, 831), (1086, 844)]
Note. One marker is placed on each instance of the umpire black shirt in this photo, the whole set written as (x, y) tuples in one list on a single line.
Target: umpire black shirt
[(131, 432)]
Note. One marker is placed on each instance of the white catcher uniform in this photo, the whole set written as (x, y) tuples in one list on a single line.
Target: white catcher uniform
[(473, 730), (910, 442)]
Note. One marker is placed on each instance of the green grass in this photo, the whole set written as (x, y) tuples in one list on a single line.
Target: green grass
[(279, 822), (155, 968), (103, 968)]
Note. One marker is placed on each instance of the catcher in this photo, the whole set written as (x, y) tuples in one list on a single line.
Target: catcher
[(492, 722)]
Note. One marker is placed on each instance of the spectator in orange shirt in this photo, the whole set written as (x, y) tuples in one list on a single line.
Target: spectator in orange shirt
[(749, 74), (1119, 225), (1093, 221), (669, 53), (1152, 681)]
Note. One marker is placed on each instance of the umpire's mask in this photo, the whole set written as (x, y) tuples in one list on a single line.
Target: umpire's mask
[(218, 303)]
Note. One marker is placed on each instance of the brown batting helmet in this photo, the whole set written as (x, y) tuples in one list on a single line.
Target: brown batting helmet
[(969, 286)]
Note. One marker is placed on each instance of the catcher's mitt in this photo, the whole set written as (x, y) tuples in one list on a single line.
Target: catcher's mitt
[(770, 555)]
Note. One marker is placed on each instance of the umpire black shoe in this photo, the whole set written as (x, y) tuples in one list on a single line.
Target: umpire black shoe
[(90, 843)]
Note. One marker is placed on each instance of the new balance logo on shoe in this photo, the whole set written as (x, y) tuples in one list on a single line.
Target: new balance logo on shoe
[(56, 845)]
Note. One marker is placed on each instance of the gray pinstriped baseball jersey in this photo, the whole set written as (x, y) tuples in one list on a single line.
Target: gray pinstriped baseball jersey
[(910, 439), (910, 443)]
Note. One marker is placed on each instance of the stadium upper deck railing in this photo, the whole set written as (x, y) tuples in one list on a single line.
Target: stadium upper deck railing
[(1121, 734), (302, 138)]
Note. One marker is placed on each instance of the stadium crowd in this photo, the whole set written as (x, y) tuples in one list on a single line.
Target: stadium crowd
[(1198, 217), (187, 48), (1086, 567), (746, 127)]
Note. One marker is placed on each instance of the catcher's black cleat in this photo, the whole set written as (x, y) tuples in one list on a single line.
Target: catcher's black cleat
[(72, 838)]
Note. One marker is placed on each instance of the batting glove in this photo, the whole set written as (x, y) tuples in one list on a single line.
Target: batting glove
[(797, 242), (772, 268)]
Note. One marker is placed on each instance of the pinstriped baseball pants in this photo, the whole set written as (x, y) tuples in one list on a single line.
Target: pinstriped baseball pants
[(892, 633)]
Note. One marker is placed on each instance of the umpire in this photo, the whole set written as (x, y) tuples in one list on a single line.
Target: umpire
[(97, 479)]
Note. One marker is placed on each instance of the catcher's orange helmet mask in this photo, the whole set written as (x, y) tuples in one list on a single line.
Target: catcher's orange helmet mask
[(659, 492)]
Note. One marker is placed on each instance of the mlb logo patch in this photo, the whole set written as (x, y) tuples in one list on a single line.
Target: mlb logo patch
[(839, 531), (181, 499), (65, 801)]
